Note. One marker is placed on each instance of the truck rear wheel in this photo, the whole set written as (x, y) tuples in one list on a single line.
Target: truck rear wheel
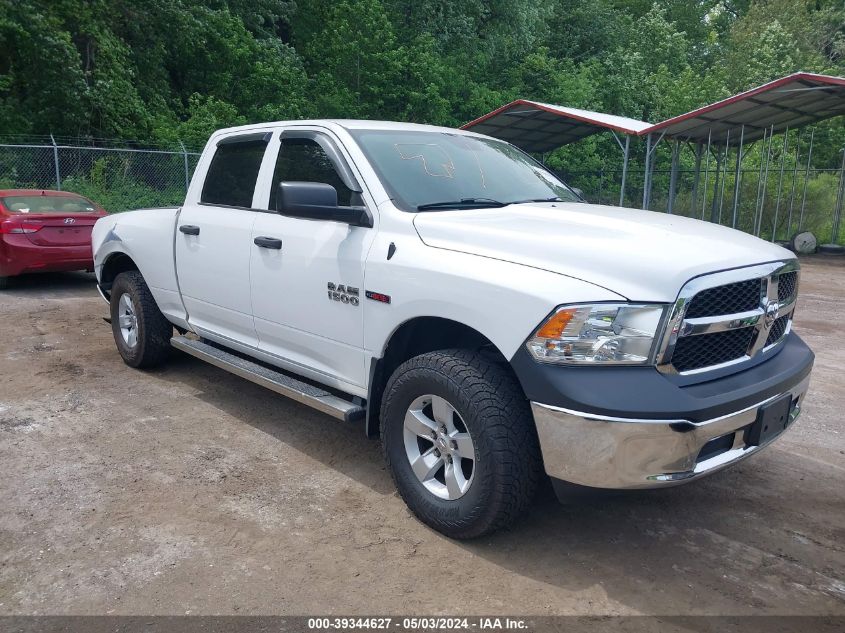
[(141, 332), (460, 442)]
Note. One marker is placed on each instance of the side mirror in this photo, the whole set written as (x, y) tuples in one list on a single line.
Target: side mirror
[(578, 192), (317, 201)]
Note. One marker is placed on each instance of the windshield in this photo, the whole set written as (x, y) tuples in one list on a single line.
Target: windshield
[(444, 170), (48, 204)]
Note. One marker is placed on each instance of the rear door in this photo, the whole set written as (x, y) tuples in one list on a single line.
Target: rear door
[(213, 240)]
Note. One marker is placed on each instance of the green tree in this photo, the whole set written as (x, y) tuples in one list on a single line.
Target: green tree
[(356, 60), (160, 71), (41, 76)]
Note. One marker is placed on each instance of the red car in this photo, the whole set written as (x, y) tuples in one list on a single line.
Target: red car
[(45, 231)]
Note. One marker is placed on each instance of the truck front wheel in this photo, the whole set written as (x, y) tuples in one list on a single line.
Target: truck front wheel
[(460, 442), (141, 332)]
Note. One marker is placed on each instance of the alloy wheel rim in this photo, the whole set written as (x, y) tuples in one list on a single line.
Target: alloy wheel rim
[(439, 447), (127, 320)]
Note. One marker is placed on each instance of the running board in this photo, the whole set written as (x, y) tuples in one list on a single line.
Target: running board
[(275, 381)]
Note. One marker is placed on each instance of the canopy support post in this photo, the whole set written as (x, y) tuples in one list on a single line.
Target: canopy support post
[(624, 170), (647, 170), (725, 175), (714, 204), (759, 227), (806, 180), (673, 176), (737, 177), (624, 149), (840, 199), (792, 193), (759, 182), (695, 178), (780, 182), (649, 167), (706, 174)]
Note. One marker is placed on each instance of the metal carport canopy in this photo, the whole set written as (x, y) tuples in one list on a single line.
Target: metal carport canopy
[(541, 127), (789, 102)]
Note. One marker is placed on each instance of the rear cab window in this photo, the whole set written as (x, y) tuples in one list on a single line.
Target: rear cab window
[(38, 204), (233, 172)]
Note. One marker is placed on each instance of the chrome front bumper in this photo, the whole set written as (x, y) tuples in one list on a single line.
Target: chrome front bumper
[(624, 453)]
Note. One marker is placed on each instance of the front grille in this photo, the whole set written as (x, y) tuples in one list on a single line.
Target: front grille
[(720, 319), (695, 352), (778, 330), (728, 299), (786, 286)]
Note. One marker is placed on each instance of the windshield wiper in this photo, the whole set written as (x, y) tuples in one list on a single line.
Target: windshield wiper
[(554, 199), (463, 202)]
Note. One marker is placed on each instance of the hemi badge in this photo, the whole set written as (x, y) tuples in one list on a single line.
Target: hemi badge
[(377, 296)]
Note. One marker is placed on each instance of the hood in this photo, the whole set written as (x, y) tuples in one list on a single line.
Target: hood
[(642, 255)]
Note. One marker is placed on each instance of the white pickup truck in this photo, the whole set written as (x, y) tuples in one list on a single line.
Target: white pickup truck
[(457, 299)]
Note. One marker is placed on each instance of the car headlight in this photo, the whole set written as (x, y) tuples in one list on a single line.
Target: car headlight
[(610, 333)]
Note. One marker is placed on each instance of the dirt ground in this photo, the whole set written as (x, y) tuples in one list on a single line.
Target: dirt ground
[(187, 490)]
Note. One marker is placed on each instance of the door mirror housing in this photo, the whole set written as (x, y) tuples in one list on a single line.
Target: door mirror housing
[(317, 201)]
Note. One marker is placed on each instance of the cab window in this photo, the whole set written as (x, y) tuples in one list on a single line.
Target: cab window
[(303, 160), (231, 177)]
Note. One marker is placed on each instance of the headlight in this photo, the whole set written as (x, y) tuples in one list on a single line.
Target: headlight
[(612, 333)]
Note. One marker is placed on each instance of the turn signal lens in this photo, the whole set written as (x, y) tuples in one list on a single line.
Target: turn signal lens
[(608, 333), (556, 325)]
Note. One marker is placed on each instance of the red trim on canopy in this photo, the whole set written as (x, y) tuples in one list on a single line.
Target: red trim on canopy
[(777, 83), (562, 111), (776, 113)]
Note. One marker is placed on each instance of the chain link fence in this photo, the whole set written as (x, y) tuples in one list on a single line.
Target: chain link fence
[(118, 179), (774, 207)]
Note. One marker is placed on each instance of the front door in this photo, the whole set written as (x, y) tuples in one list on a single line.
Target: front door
[(307, 290), (214, 242)]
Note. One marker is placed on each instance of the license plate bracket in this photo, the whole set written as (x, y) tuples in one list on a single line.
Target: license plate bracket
[(772, 420)]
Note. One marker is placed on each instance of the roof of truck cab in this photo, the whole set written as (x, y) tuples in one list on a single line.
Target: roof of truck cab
[(348, 124), (362, 124)]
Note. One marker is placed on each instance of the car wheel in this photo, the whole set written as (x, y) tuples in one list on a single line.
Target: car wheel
[(460, 442), (4, 283), (141, 332)]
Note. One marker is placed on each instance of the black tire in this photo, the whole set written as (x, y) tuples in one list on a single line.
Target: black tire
[(152, 346), (493, 408), (4, 283)]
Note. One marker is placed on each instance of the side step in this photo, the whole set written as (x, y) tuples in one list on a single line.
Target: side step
[(276, 381)]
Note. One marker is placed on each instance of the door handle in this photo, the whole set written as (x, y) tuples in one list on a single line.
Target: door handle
[(268, 242), (190, 229)]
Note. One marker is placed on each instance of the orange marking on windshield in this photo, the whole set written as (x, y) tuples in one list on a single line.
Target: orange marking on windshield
[(444, 160)]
